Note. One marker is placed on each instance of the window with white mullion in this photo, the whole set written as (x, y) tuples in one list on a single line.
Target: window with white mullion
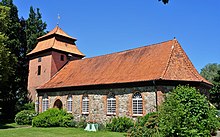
[(69, 104), (45, 103), (85, 105), (111, 105), (137, 104)]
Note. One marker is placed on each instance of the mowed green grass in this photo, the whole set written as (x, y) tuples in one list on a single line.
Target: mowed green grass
[(55, 132)]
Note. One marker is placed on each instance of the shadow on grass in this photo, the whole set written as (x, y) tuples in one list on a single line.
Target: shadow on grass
[(4, 126), (7, 123)]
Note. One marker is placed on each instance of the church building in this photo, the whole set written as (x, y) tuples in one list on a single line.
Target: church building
[(128, 83)]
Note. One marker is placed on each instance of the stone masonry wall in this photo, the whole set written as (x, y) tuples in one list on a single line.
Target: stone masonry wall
[(98, 102)]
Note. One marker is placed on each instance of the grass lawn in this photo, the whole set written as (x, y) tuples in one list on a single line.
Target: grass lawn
[(12, 130)]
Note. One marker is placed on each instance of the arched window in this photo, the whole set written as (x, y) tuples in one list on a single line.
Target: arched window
[(137, 104), (45, 103), (69, 104), (111, 104), (85, 104)]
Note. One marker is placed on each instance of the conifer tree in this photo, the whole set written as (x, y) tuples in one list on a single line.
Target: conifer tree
[(34, 28)]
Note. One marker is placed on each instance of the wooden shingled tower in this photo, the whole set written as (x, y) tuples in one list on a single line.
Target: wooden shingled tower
[(51, 53)]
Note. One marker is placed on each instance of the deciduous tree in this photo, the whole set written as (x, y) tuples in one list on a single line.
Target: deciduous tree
[(186, 112), (18, 32), (209, 72), (7, 60), (215, 91)]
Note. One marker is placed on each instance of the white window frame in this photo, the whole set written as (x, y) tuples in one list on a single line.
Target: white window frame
[(69, 104), (85, 105), (137, 104), (45, 103), (111, 105)]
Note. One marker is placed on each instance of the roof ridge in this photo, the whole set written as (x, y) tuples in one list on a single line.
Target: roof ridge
[(129, 49), (168, 62)]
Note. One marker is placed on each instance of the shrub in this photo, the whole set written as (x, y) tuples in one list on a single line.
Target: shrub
[(186, 112), (138, 131), (53, 118), (82, 123), (102, 126), (28, 106), (25, 117), (142, 121), (146, 126), (120, 124)]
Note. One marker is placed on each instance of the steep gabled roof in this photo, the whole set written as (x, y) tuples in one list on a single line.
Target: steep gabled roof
[(56, 39), (162, 61)]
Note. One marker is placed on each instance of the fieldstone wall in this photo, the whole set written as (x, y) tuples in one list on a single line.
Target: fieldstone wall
[(98, 102)]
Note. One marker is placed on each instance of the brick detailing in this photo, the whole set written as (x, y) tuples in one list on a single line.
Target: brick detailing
[(130, 112), (160, 97), (117, 105), (144, 101), (104, 100), (40, 104)]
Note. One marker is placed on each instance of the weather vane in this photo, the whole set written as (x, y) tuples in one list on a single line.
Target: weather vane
[(58, 19)]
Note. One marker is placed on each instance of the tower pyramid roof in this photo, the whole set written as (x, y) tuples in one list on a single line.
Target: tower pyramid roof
[(56, 39)]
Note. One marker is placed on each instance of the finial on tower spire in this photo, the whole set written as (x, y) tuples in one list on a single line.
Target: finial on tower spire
[(58, 19)]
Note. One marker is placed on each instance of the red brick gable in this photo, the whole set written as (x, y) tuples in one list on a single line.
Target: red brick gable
[(162, 61)]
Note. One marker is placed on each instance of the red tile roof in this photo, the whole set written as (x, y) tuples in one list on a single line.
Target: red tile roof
[(162, 61), (58, 31), (51, 41)]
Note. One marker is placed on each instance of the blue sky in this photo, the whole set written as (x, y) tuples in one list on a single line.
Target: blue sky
[(106, 26)]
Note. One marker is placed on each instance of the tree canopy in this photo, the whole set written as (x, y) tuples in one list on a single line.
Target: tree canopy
[(7, 59), (164, 1), (215, 91), (34, 28), (15, 34), (186, 112), (210, 71)]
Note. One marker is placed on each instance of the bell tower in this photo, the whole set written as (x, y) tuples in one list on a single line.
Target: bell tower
[(51, 53)]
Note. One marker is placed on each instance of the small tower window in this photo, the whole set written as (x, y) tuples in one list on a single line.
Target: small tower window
[(39, 70), (39, 59), (62, 57)]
